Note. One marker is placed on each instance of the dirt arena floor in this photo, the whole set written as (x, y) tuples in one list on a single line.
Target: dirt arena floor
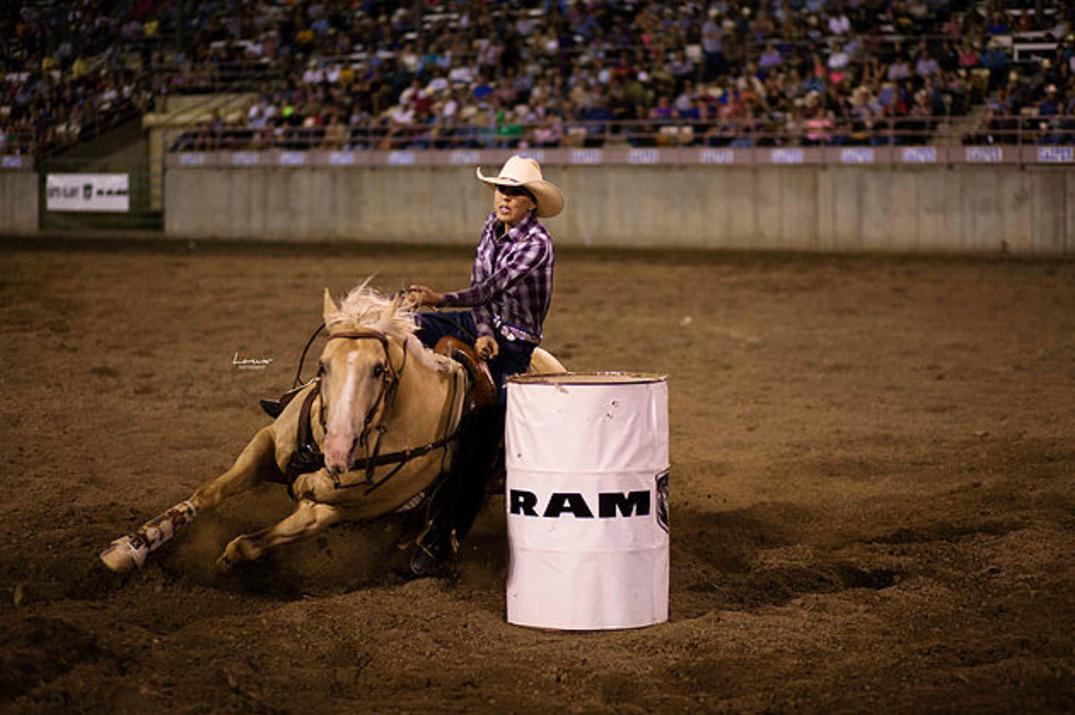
[(873, 492)]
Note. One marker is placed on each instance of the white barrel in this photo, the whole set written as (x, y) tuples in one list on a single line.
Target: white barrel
[(587, 500)]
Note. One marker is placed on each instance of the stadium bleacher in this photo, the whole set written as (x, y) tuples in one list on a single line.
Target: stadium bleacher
[(429, 74)]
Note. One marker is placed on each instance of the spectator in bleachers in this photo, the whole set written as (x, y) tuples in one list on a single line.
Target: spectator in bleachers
[(926, 66), (1051, 105), (996, 60), (820, 124)]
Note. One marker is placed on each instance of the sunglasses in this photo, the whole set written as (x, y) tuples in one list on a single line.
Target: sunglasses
[(516, 191)]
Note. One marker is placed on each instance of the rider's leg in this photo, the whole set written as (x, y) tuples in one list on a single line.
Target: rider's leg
[(512, 358), (477, 454), (461, 498), (434, 326)]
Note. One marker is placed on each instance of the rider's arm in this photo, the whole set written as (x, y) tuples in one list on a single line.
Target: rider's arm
[(521, 259)]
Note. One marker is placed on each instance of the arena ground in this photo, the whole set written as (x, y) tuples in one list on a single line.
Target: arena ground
[(873, 491)]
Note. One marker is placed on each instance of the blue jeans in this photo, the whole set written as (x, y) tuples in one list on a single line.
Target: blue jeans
[(513, 356)]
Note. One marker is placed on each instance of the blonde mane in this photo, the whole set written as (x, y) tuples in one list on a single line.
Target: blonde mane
[(366, 307)]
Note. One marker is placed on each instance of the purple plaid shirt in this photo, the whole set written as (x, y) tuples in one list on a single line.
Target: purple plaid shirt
[(511, 284)]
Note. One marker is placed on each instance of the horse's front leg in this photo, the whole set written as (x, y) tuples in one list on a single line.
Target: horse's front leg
[(308, 519), (255, 463)]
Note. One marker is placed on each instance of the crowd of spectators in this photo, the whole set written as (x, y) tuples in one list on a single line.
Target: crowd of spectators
[(72, 69), (1032, 103), (540, 73), (725, 73)]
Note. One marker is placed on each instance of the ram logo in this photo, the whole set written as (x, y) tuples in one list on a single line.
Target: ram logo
[(610, 505)]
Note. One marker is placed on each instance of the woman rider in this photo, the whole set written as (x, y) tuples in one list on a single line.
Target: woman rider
[(508, 298)]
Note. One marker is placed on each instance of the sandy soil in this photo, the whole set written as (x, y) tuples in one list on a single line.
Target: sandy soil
[(873, 492)]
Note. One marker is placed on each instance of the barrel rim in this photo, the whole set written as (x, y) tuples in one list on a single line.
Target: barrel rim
[(603, 377)]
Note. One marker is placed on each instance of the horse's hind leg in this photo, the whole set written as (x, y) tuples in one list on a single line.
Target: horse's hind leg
[(308, 519), (256, 462)]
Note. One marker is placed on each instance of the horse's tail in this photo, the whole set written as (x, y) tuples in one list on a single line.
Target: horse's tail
[(543, 362)]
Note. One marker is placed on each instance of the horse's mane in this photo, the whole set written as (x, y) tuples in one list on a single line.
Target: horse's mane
[(366, 307)]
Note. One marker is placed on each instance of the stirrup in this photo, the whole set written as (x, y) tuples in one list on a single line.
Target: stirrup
[(272, 408), (434, 547), (482, 391)]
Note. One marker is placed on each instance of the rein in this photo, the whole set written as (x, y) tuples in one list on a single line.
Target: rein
[(302, 358), (308, 456)]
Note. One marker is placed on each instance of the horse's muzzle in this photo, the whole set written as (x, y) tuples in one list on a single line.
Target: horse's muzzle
[(339, 450)]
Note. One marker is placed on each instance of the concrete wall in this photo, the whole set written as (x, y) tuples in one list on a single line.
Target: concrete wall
[(18, 202), (182, 111), (963, 208)]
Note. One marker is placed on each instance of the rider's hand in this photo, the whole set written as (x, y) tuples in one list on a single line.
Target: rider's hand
[(486, 347), (423, 295)]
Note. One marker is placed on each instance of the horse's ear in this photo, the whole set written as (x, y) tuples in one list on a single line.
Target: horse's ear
[(330, 308)]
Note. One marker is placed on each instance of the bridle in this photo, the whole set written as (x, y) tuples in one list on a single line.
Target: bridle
[(386, 398), (308, 457)]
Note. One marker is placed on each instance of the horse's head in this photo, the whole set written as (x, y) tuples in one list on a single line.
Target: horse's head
[(370, 339), (359, 370)]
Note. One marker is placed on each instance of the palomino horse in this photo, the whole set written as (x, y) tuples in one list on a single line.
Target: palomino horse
[(383, 412)]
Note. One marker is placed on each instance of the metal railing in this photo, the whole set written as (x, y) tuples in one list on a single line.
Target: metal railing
[(881, 132), (218, 76)]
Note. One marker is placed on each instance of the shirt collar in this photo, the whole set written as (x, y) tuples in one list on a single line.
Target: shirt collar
[(519, 231)]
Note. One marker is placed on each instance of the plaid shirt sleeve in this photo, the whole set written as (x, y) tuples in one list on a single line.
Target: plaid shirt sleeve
[(513, 284)]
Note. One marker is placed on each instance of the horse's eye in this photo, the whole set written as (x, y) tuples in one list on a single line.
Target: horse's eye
[(322, 367), (378, 370)]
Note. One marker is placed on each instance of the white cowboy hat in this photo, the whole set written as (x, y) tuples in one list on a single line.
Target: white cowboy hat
[(525, 172)]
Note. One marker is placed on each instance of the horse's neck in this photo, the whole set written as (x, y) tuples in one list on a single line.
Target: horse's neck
[(425, 402), (427, 405)]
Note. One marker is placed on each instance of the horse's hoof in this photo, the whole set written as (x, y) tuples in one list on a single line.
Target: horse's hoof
[(224, 565), (234, 554), (124, 555)]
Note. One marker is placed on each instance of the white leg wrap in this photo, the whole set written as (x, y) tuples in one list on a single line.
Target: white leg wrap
[(125, 554), (130, 552)]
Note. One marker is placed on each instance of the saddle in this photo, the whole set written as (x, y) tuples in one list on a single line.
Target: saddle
[(482, 392)]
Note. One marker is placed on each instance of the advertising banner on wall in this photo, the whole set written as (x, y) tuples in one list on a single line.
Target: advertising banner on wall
[(87, 192)]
